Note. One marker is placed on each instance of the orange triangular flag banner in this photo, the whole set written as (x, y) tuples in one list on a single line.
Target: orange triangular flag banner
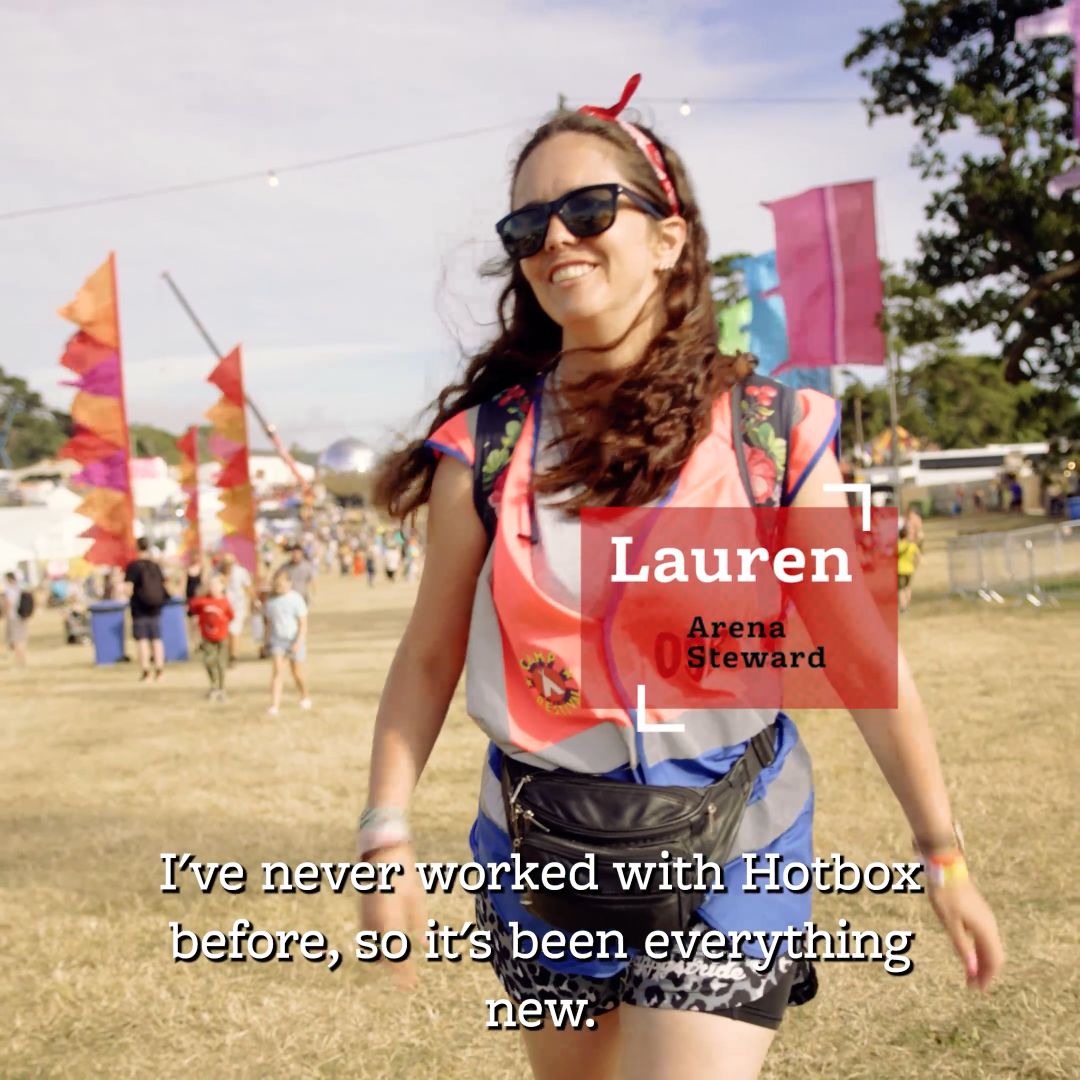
[(237, 513), (103, 504), (99, 440), (94, 306), (188, 445), (228, 420), (104, 416)]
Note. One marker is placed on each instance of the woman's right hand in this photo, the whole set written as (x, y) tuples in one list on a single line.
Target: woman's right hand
[(402, 909)]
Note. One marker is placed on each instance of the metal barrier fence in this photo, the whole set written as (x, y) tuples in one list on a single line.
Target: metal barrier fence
[(1037, 565)]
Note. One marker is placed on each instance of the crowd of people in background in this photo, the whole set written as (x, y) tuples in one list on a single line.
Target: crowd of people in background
[(224, 600)]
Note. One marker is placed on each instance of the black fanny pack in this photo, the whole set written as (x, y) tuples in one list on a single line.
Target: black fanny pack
[(573, 818)]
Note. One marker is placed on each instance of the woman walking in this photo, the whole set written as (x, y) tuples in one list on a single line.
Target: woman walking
[(605, 388)]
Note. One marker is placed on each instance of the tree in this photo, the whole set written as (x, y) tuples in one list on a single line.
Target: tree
[(951, 401), (149, 441), (1011, 252), (304, 457), (36, 431), (727, 284)]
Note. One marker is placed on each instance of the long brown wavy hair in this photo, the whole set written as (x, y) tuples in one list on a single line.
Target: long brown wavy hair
[(627, 433)]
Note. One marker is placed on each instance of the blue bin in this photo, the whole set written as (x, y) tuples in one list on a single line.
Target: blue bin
[(107, 618), (174, 630), (1073, 503)]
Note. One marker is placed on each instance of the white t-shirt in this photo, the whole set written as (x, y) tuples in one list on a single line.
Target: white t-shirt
[(236, 588)]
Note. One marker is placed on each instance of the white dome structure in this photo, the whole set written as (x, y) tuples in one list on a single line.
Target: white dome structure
[(345, 469), (347, 456)]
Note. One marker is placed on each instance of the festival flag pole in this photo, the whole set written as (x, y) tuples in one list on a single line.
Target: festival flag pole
[(891, 363), (271, 431), (100, 440), (123, 397), (229, 445), (188, 445)]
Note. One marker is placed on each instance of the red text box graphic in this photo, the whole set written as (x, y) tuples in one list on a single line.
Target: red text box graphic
[(738, 608)]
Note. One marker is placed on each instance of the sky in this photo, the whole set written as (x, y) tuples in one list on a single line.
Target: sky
[(354, 288)]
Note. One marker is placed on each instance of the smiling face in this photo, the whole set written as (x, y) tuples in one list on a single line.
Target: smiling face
[(593, 287)]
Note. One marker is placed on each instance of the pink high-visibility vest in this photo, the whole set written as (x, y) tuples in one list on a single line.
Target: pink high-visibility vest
[(524, 661)]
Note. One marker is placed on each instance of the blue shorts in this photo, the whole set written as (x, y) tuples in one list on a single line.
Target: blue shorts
[(278, 647)]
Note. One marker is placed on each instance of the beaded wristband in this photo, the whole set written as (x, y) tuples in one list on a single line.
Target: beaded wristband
[(381, 827)]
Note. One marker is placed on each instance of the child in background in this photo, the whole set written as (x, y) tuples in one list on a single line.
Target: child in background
[(907, 559), (214, 613), (286, 637)]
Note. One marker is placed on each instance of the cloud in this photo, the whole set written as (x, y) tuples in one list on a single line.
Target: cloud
[(382, 252)]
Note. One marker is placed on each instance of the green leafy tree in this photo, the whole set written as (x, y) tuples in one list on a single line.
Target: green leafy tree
[(304, 457), (150, 441), (37, 431), (1009, 253), (727, 284), (952, 401)]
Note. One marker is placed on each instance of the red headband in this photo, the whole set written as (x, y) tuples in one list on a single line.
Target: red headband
[(644, 143)]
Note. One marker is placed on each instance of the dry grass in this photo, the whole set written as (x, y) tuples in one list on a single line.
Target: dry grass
[(101, 775)]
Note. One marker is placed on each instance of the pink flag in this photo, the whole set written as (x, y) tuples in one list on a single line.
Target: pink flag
[(830, 277), (102, 379), (243, 548), (110, 472), (222, 448)]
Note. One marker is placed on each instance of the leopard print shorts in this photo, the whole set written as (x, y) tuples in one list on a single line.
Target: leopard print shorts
[(723, 988)]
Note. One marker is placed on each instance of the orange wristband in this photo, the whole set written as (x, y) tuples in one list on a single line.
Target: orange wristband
[(945, 870)]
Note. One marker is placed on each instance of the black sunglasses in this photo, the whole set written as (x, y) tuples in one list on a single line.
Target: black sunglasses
[(586, 211)]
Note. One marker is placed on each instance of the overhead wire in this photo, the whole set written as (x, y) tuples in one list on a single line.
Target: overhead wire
[(273, 173)]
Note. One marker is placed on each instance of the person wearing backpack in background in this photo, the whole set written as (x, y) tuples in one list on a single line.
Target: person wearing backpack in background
[(18, 606), (148, 596)]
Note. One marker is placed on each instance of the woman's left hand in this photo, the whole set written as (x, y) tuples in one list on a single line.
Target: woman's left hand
[(970, 923)]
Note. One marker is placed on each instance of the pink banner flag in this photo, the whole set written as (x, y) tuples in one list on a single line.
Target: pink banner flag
[(244, 550), (102, 379), (830, 277), (222, 448), (110, 472)]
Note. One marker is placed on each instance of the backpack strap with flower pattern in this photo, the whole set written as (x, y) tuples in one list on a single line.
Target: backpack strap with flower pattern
[(498, 427), (762, 409)]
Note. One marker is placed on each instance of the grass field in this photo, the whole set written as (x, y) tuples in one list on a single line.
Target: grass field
[(101, 774)]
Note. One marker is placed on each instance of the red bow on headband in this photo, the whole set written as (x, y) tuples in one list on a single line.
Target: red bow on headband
[(644, 143), (609, 114)]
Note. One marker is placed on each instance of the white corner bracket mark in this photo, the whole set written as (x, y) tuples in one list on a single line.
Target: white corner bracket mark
[(643, 725), (864, 491)]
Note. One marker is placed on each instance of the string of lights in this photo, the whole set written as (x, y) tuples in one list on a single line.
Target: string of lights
[(272, 176)]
